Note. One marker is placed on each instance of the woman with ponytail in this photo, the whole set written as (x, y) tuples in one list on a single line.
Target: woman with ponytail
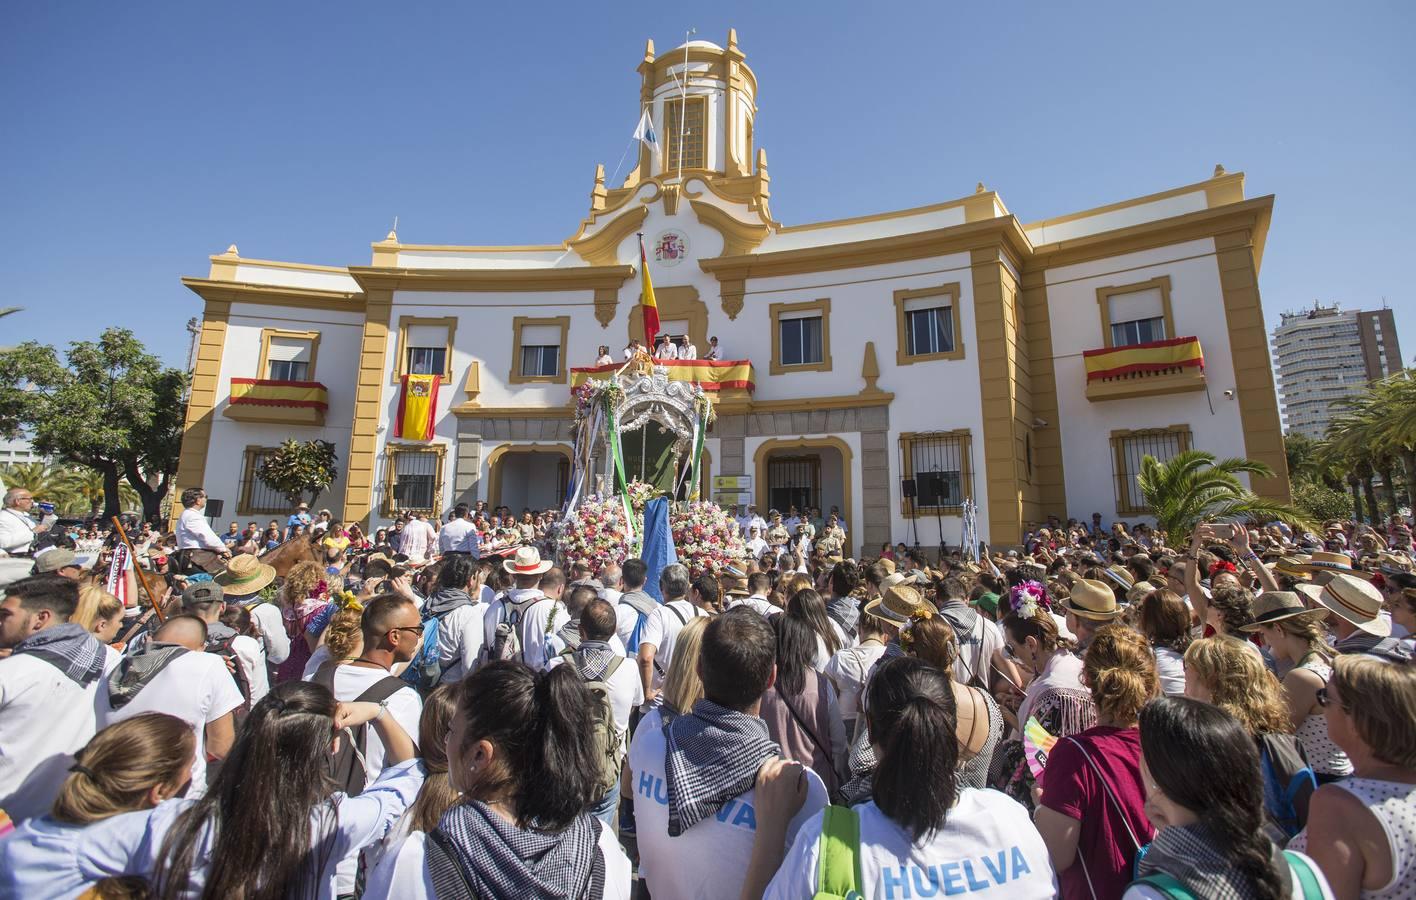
[(129, 766), (921, 833), (517, 752), (270, 826), (1091, 802), (1204, 794)]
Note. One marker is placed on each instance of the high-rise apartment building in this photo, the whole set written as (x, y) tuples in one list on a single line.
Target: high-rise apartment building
[(1325, 354)]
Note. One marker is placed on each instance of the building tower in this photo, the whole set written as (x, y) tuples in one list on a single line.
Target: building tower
[(1326, 354)]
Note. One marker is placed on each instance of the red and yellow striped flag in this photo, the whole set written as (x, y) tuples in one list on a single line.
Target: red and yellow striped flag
[(416, 405), (646, 299), (1155, 356)]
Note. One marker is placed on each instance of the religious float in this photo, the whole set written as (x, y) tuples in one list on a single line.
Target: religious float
[(639, 435)]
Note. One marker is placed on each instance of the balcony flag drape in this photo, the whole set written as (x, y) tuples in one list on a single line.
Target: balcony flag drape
[(646, 299), (416, 404)]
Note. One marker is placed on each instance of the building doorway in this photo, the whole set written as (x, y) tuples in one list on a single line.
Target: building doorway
[(532, 478), (794, 481)]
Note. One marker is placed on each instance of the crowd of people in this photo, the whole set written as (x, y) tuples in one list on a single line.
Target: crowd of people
[(1094, 714)]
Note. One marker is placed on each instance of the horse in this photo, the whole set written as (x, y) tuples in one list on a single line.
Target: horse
[(284, 556)]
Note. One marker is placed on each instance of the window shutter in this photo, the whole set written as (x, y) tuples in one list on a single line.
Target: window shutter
[(540, 335), (1137, 305), (427, 336), (289, 350)]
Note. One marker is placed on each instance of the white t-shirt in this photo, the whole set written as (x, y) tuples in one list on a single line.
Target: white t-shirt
[(251, 653), (16, 531), (401, 874), (847, 671), (194, 532), (460, 636), (195, 687), (269, 620), (533, 630), (318, 658), (661, 629), (757, 603), (689, 351), (710, 859), (987, 844), (45, 718), (404, 705), (626, 617), (453, 534)]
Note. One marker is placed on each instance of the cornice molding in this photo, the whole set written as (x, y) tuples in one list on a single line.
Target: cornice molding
[(599, 248), (570, 278), (274, 295)]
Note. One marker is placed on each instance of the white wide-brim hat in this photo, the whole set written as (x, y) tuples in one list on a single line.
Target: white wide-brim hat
[(527, 561)]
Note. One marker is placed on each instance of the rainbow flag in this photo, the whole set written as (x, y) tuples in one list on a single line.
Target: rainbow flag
[(1037, 743), (646, 299), (269, 392), (711, 374), (1155, 356), (416, 407)]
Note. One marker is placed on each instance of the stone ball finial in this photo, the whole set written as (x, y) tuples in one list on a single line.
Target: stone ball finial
[(1218, 170)]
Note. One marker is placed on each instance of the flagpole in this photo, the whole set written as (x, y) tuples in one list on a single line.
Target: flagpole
[(683, 100)]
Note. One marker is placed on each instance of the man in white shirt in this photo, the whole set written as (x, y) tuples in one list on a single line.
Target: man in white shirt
[(17, 529), (635, 605), (419, 538), (456, 610), (172, 675), (633, 349), (755, 545), (661, 628), (610, 577), (695, 808), (714, 351), (393, 631), (194, 532), (47, 686), (755, 519), (453, 536), (757, 586), (531, 610), (206, 600), (688, 351), (666, 349)]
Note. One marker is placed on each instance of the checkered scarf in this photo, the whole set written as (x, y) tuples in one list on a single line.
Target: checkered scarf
[(135, 672), (592, 659), (476, 853), (713, 756), (70, 648), (1191, 854)]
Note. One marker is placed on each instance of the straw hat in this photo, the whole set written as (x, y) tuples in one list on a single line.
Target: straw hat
[(1292, 566), (1271, 606), (898, 603), (244, 575), (889, 565), (891, 580), (1323, 561), (527, 561), (1393, 563), (738, 588), (1091, 599), (1356, 601), (1121, 575)]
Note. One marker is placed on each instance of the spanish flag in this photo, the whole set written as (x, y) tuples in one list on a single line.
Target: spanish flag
[(416, 404), (646, 299), (1136, 359)]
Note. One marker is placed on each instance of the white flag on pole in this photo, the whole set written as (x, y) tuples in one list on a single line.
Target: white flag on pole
[(645, 134)]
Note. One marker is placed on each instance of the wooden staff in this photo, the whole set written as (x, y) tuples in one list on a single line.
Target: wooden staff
[(133, 555)]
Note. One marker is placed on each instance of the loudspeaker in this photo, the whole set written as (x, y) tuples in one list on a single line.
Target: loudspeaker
[(907, 487), (932, 490), (213, 508)]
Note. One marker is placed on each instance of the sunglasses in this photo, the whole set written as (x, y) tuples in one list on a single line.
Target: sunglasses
[(416, 629)]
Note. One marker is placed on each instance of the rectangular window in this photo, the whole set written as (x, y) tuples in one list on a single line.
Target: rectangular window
[(929, 330), (1138, 313), (937, 464), (538, 350), (426, 360), (415, 480), (1128, 448), (256, 497), (687, 153), (288, 355), (801, 340)]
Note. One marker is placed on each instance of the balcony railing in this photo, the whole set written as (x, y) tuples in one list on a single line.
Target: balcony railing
[(277, 402), (1143, 370), (720, 375)]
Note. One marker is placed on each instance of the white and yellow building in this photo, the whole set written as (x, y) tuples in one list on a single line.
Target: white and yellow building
[(941, 345)]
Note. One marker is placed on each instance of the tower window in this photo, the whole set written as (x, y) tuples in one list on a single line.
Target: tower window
[(688, 153)]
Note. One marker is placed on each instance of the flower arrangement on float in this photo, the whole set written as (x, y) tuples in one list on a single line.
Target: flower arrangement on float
[(595, 533)]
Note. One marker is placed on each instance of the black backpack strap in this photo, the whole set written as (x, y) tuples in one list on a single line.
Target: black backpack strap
[(324, 675), (382, 689), (683, 620)]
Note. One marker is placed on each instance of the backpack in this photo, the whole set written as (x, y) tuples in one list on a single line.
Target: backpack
[(1305, 878), (838, 855), (1289, 783), (508, 641), (346, 766), (425, 669), (605, 736)]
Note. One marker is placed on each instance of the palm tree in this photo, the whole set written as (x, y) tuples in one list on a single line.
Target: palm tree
[(1194, 487), (88, 498), (43, 480)]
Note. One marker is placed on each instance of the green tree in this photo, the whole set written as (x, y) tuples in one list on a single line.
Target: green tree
[(1194, 487), (109, 406), (1322, 502), (297, 469), (44, 481)]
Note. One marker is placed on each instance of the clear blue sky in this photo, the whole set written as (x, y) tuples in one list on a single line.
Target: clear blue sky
[(141, 137)]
